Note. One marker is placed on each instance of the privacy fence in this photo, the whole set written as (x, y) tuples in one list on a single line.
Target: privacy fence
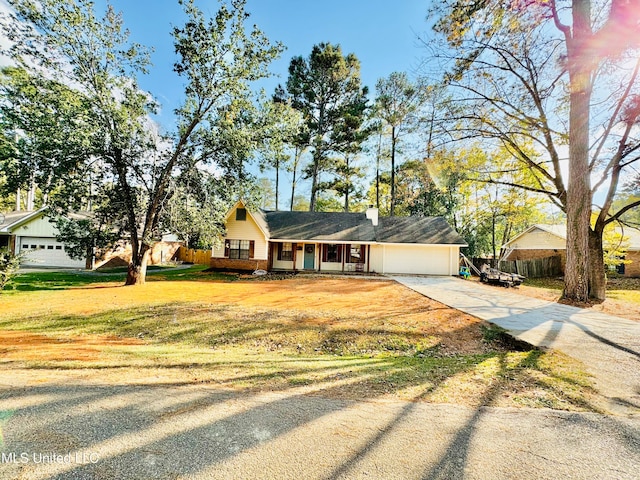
[(533, 268), (189, 255)]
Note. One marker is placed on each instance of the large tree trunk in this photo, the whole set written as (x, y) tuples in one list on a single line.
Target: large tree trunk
[(579, 189), (597, 272), (137, 271)]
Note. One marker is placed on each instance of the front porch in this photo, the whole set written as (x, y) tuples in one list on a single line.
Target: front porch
[(319, 257)]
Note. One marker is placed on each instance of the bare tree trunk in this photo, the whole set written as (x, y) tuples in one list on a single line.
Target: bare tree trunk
[(580, 67), (277, 182), (314, 183), (296, 158), (597, 273), (137, 271), (393, 171), (378, 172)]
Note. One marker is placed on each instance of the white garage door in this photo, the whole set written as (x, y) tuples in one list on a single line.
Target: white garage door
[(415, 259), (47, 252)]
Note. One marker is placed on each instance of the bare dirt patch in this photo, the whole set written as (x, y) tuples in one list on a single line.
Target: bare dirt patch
[(24, 346)]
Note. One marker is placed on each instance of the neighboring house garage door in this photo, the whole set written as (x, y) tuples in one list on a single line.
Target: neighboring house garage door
[(46, 252), (416, 260)]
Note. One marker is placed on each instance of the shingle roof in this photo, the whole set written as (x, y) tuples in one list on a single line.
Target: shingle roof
[(424, 230), (631, 235), (355, 227), (334, 226)]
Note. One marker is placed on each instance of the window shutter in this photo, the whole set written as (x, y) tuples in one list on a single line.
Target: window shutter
[(227, 248), (252, 246), (339, 253), (347, 253), (325, 252)]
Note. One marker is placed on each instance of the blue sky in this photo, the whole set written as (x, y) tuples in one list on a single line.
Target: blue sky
[(381, 33)]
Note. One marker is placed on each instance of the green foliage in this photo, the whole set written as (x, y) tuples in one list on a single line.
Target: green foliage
[(109, 115), (326, 89), (9, 265), (49, 131)]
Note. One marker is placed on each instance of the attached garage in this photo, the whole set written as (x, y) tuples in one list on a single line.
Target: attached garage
[(46, 251), (419, 260), (32, 233)]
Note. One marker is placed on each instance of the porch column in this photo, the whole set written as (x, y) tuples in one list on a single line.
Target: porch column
[(294, 256)]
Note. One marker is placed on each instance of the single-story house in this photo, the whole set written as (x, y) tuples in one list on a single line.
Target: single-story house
[(540, 241), (337, 242), (32, 232)]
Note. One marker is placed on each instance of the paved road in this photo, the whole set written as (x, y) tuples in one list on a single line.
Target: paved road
[(608, 346), (199, 432)]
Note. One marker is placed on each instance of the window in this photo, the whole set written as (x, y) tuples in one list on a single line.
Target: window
[(241, 214), (239, 249), (356, 254), (285, 251), (41, 247), (25, 247), (58, 247), (49, 247), (332, 253), (33, 247)]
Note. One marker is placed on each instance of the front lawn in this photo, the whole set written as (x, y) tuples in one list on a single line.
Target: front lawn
[(623, 294), (60, 280), (343, 337)]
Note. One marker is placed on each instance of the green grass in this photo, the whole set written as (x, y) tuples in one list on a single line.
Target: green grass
[(618, 288), (271, 348), (60, 280)]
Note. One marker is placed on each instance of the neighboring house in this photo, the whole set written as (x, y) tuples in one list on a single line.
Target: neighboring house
[(337, 242), (33, 233), (539, 241)]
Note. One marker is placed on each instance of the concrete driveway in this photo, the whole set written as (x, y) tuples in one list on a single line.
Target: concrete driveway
[(609, 346)]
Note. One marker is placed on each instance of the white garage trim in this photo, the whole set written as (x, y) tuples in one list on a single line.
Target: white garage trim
[(45, 252)]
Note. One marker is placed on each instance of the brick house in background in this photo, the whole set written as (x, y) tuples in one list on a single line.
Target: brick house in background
[(541, 241)]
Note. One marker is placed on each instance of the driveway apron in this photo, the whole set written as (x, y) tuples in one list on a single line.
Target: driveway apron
[(608, 346)]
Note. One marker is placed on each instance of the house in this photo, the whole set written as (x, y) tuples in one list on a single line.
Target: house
[(337, 242), (540, 241), (32, 232)]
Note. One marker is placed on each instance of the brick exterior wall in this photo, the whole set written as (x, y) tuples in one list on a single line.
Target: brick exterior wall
[(632, 269), (238, 265), (533, 254)]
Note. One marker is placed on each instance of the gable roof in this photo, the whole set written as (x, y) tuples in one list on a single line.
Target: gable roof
[(355, 227), (17, 218), (333, 226), (560, 231)]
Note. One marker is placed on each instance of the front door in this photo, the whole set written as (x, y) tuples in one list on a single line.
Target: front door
[(309, 257)]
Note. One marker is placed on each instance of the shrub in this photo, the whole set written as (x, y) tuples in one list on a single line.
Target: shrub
[(9, 265)]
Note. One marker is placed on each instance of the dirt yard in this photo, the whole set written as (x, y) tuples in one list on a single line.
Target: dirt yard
[(334, 303), (333, 336)]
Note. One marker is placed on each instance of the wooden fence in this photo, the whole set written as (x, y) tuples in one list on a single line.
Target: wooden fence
[(189, 255), (533, 268)]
